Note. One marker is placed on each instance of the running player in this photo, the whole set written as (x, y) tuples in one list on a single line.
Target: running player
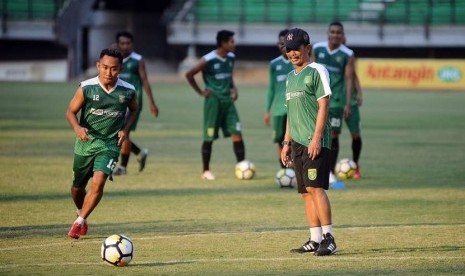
[(220, 93), (135, 73), (102, 102), (339, 61), (308, 139), (278, 70)]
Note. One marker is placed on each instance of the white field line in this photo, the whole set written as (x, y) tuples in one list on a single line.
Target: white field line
[(238, 260), (155, 237)]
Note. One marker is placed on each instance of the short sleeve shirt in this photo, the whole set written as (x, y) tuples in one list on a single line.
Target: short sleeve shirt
[(103, 115), (335, 62), (217, 75), (303, 90)]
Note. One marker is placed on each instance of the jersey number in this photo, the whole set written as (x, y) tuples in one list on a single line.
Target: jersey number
[(335, 122), (96, 97), (111, 165)]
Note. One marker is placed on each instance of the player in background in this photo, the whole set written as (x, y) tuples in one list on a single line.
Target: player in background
[(278, 70), (135, 73), (102, 102), (339, 61), (220, 93), (353, 121), (308, 139)]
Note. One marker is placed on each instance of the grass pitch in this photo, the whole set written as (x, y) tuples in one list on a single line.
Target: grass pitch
[(404, 217)]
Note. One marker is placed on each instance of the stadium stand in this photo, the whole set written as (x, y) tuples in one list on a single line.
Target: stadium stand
[(374, 22), (30, 9), (77, 29)]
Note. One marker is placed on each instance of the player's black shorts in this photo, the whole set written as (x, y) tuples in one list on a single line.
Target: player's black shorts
[(310, 173)]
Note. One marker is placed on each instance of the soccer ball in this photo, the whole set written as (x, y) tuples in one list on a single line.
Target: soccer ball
[(117, 250), (245, 170), (345, 168), (285, 178)]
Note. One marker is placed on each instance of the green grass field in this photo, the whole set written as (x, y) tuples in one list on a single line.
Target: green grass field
[(404, 217)]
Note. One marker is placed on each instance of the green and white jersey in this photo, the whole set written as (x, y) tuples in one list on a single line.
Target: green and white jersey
[(131, 75), (217, 75), (335, 62), (103, 115), (278, 70), (303, 90)]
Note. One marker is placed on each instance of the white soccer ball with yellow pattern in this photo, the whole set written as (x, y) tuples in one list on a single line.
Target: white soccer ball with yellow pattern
[(345, 168), (245, 170)]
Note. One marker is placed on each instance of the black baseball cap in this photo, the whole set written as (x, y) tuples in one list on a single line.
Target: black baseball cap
[(296, 37)]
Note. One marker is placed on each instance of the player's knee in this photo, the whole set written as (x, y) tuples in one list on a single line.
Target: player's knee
[(236, 137)]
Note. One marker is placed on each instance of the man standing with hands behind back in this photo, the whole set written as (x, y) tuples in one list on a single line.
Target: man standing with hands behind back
[(339, 61)]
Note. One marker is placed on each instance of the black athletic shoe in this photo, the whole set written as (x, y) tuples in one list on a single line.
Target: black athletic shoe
[(308, 247), (327, 246), (142, 158)]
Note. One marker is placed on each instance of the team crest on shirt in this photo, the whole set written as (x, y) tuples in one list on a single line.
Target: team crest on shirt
[(308, 79), (311, 174), (278, 67), (321, 55), (339, 59), (216, 66), (121, 98)]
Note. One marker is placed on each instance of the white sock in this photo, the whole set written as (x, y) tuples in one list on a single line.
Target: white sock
[(315, 234), (327, 229), (80, 220), (78, 212)]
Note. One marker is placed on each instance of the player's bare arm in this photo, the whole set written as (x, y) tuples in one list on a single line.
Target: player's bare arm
[(358, 87), (190, 76), (286, 150), (76, 103), (349, 77), (269, 99), (266, 118), (314, 147), (122, 134), (233, 90), (148, 90)]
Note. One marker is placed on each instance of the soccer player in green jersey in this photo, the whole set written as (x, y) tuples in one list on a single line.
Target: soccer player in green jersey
[(308, 140), (353, 121), (135, 73), (278, 70), (102, 102), (220, 93), (339, 61)]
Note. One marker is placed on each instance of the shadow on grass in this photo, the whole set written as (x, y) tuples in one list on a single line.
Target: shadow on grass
[(397, 250), (152, 228), (140, 193), (173, 227), (159, 264)]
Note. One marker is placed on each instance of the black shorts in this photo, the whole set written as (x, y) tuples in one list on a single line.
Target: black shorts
[(310, 173)]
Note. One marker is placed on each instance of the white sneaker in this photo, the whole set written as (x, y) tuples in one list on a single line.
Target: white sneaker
[(332, 178), (119, 171), (208, 175), (142, 158)]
